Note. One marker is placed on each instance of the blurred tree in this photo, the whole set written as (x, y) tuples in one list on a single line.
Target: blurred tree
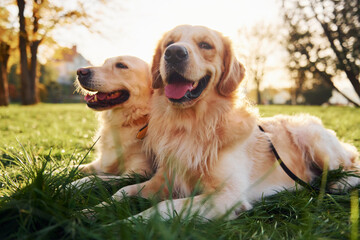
[(51, 91), (46, 15), (318, 94), (7, 36), (14, 83), (261, 41), (4, 88), (48, 74), (323, 41)]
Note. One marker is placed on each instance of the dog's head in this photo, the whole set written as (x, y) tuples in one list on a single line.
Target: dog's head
[(120, 80), (192, 61)]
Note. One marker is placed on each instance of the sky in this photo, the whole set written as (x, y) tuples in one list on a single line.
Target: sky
[(133, 27)]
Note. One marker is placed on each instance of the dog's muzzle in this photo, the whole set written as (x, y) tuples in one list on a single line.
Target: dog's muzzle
[(178, 88), (175, 54), (84, 77)]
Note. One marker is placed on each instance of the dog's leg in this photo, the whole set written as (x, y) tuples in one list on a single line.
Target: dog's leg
[(93, 167), (154, 186), (228, 197), (145, 189), (221, 204), (82, 182), (139, 163)]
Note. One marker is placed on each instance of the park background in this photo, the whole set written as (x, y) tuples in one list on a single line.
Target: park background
[(295, 52), (299, 53)]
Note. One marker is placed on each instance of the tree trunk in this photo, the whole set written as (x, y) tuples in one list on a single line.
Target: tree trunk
[(34, 81), (34, 45), (259, 72), (327, 79), (299, 82), (28, 95), (258, 93), (4, 89), (297, 94)]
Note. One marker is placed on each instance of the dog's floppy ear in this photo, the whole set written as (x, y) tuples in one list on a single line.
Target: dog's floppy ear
[(157, 81), (233, 73)]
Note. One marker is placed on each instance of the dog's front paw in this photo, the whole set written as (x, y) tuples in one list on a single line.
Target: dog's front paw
[(90, 213), (86, 168)]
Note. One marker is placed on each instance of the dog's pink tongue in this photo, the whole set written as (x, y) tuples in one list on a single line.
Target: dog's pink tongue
[(101, 96), (89, 97), (177, 90)]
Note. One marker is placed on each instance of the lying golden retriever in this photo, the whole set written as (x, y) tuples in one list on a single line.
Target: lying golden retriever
[(120, 90), (204, 138)]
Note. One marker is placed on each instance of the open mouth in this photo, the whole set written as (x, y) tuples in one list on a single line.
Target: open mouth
[(101, 101), (180, 89)]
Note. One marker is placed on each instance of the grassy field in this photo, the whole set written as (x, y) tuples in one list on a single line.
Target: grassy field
[(40, 144)]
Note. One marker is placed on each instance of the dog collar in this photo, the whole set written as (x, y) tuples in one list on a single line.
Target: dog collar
[(142, 132)]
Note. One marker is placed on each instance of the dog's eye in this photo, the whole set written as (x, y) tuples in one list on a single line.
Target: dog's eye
[(120, 65), (205, 45), (169, 43)]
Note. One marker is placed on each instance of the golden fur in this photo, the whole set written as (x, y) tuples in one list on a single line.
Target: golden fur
[(214, 142), (118, 149)]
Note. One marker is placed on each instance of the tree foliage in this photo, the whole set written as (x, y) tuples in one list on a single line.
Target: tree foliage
[(318, 94), (323, 41), (35, 28)]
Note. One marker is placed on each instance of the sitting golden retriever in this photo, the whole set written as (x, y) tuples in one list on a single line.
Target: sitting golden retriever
[(204, 138), (121, 90)]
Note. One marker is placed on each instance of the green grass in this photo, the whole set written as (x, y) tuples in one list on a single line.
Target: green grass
[(67, 129), (34, 203)]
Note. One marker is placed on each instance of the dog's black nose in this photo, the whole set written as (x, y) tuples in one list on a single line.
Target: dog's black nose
[(176, 54), (83, 72)]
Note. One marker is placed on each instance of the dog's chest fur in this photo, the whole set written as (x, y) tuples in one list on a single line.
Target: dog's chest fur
[(117, 139), (187, 141)]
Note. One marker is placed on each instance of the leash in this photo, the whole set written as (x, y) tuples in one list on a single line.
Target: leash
[(286, 169)]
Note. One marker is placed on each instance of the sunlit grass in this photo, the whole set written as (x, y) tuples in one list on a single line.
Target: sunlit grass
[(67, 129), (40, 146), (354, 217)]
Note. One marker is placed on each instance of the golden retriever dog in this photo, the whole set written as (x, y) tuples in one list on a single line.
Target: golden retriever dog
[(205, 139), (120, 90)]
